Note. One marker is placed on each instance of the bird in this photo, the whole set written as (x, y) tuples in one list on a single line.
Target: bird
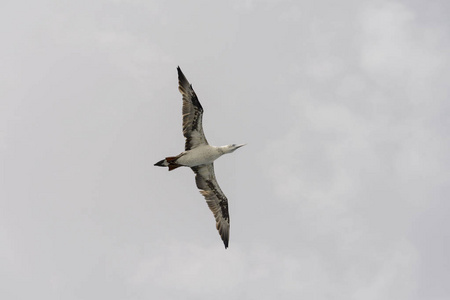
[(200, 156)]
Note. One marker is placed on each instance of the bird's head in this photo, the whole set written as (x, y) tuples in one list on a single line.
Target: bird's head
[(231, 148)]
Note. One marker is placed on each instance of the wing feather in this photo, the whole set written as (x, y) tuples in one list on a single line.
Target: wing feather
[(192, 114), (215, 198)]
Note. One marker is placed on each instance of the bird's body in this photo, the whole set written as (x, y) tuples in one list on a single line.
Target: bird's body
[(199, 156), (204, 154)]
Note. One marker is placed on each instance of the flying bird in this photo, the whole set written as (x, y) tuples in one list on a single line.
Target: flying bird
[(199, 156)]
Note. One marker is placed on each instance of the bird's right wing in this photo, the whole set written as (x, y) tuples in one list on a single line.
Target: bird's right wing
[(192, 114), (215, 198)]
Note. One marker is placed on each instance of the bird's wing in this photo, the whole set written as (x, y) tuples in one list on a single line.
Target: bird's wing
[(192, 114), (215, 198)]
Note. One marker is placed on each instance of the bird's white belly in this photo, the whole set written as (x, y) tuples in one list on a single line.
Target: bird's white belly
[(199, 156)]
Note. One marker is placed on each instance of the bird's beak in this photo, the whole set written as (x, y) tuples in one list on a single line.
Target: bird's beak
[(239, 146)]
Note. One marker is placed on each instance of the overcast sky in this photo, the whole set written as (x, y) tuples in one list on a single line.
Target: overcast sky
[(341, 193)]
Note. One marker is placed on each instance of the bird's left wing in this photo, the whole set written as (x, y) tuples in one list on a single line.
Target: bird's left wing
[(192, 114), (215, 198)]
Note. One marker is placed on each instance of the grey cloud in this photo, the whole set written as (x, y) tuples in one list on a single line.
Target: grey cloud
[(340, 193)]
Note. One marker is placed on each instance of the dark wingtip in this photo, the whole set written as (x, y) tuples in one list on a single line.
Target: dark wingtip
[(184, 83), (225, 242), (181, 78)]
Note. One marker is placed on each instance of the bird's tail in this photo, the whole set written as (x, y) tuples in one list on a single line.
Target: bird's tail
[(168, 162), (162, 163)]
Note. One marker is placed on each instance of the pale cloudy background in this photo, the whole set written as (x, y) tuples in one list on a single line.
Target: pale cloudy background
[(341, 193)]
